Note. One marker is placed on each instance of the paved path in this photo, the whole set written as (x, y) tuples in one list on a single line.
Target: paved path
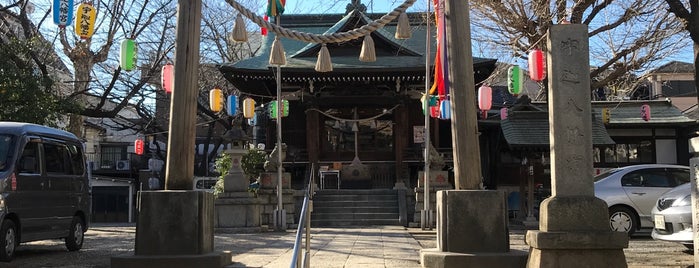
[(383, 246)]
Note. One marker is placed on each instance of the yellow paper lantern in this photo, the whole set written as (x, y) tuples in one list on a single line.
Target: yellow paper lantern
[(85, 20), (216, 100), (248, 108)]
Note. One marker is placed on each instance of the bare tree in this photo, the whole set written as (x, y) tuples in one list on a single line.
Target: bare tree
[(690, 23), (625, 36)]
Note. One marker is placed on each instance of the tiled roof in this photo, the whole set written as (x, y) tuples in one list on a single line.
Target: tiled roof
[(674, 67), (392, 54), (530, 130), (628, 113)]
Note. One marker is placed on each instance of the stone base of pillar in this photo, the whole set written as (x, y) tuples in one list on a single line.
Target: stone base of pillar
[(434, 258), (574, 233), (174, 229), (480, 217), (596, 249)]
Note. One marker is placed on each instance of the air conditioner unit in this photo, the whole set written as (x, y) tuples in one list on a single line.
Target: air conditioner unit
[(123, 165)]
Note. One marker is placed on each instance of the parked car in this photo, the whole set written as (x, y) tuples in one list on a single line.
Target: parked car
[(631, 192), (672, 216), (44, 189)]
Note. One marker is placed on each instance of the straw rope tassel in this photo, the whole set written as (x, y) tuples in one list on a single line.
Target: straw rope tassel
[(403, 29), (368, 53), (239, 32), (277, 55), (324, 64)]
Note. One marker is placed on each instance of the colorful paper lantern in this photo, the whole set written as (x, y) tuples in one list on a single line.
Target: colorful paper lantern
[(138, 146), (284, 109), (606, 115), (515, 80), (128, 54), (445, 110), (253, 121), (537, 71), (503, 113), (434, 111), (645, 112), (216, 100), (62, 12), (432, 101), (85, 20), (232, 105), (485, 98), (248, 108), (167, 78)]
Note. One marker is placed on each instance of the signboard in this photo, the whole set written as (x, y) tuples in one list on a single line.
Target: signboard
[(418, 134)]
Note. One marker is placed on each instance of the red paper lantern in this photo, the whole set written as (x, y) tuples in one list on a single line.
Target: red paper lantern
[(138, 146), (645, 112), (485, 98), (167, 77), (537, 72)]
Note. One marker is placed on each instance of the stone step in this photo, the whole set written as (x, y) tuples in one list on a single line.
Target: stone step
[(353, 216), (351, 203), (365, 222), (354, 197), (356, 192), (368, 209)]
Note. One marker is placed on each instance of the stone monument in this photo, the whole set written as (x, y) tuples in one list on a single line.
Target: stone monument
[(236, 209), (573, 229)]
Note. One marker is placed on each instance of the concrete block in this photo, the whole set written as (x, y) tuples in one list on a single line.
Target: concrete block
[(577, 240), (175, 223), (574, 214), (210, 260), (237, 215), (434, 258), (472, 221), (235, 182), (580, 258)]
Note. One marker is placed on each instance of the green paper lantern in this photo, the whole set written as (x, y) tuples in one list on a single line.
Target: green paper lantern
[(515, 80), (128, 54), (284, 109)]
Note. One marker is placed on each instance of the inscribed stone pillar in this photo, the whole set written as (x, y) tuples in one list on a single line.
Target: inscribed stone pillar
[(573, 229)]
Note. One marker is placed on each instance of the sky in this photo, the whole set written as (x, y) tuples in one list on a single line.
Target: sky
[(384, 6)]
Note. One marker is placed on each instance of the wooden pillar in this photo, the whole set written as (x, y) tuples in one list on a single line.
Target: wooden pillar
[(183, 104), (313, 129), (400, 134), (464, 121)]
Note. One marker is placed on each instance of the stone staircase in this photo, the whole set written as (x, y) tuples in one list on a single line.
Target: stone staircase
[(332, 208)]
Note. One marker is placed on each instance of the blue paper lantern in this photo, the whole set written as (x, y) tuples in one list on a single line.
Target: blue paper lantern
[(62, 12), (253, 121), (232, 105), (445, 110)]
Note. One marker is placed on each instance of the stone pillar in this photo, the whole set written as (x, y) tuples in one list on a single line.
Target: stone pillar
[(573, 229)]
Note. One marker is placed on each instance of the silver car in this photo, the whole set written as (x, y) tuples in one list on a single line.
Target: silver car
[(631, 192), (672, 216)]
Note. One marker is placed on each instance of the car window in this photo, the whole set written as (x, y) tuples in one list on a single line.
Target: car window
[(681, 176), (29, 160), (650, 177), (632, 179), (606, 174), (57, 158), (5, 152)]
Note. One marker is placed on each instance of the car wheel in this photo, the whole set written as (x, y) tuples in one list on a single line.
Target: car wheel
[(622, 219), (8, 238), (75, 238)]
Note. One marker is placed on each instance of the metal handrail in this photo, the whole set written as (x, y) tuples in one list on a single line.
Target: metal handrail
[(304, 225)]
